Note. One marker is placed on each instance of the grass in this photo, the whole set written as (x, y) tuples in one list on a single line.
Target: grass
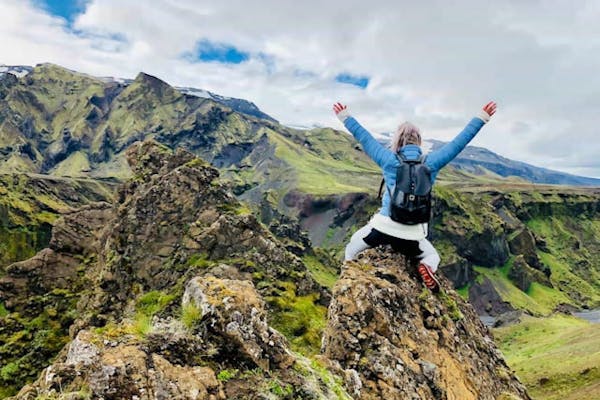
[(299, 318), (323, 175), (190, 315), (324, 275), (556, 357), (538, 300), (227, 374), (3, 310), (153, 302), (464, 291), (571, 241)]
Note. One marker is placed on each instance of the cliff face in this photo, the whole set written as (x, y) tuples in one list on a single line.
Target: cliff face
[(393, 339), (177, 291), (29, 205)]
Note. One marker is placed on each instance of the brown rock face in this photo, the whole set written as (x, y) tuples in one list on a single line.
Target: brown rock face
[(523, 275), (121, 274), (92, 368), (393, 339), (233, 310), (228, 352), (524, 243)]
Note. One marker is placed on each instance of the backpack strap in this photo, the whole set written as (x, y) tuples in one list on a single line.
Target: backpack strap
[(381, 188)]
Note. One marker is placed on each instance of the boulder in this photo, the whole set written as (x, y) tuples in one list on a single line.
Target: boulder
[(394, 339)]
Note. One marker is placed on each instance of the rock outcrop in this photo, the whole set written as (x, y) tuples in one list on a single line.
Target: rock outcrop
[(222, 350), (393, 339), (177, 291)]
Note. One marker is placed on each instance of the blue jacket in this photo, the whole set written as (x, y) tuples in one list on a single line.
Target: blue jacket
[(388, 162)]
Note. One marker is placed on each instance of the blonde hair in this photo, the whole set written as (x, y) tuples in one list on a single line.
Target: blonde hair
[(406, 133)]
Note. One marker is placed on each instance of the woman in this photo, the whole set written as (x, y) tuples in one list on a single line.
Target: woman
[(381, 229)]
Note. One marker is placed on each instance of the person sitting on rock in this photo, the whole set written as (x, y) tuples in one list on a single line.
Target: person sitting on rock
[(409, 239)]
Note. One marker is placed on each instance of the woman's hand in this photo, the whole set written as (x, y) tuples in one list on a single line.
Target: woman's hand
[(341, 111), (487, 111), (338, 108), (490, 108)]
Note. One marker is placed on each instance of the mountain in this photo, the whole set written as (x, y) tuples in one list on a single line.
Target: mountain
[(239, 105), (58, 122), (18, 71), (480, 161), (177, 291)]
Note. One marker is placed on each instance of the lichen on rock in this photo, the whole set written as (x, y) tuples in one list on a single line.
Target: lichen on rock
[(394, 339)]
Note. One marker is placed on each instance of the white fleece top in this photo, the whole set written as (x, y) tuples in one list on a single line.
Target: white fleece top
[(385, 224)]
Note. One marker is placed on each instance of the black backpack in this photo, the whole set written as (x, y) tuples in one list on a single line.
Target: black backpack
[(411, 199)]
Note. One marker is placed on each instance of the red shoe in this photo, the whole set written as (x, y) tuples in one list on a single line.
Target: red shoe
[(429, 278)]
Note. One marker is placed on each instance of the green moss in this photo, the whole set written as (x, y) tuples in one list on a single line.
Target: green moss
[(299, 318), (10, 371), (318, 172), (453, 311), (30, 340), (153, 302), (142, 325), (77, 164), (332, 382), (227, 374), (196, 162), (464, 291), (279, 389), (324, 275), (572, 243), (199, 261)]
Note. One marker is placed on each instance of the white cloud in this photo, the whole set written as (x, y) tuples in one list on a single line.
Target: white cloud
[(430, 62)]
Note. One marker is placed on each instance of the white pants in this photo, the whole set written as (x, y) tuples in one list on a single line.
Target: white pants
[(429, 255)]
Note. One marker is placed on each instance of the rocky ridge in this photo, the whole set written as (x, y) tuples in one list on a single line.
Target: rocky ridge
[(177, 291), (391, 338)]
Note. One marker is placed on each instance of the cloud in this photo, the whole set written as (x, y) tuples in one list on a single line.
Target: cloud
[(429, 62)]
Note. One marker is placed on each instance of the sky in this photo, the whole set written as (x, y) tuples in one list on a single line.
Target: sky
[(434, 63)]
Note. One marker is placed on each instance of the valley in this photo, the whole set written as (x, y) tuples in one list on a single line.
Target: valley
[(507, 245)]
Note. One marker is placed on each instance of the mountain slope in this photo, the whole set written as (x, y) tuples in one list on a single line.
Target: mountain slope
[(60, 122), (481, 161)]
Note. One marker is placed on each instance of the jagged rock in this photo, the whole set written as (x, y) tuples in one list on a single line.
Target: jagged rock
[(118, 272), (459, 271), (520, 274), (41, 294), (486, 300), (405, 343), (487, 248), (508, 318), (90, 367), (234, 310), (523, 275), (524, 243)]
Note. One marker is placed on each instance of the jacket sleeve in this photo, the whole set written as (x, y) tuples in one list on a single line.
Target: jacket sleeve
[(372, 147), (439, 158)]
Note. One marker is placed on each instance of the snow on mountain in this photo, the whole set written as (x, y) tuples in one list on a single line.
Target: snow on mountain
[(17, 70)]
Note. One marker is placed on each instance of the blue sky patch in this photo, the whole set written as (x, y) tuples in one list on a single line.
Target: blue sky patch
[(357, 80), (67, 9), (207, 51)]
